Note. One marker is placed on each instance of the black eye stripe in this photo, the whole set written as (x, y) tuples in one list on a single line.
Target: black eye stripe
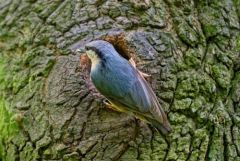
[(91, 48), (98, 52), (87, 48)]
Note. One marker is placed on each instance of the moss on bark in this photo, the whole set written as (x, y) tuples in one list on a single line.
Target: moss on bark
[(49, 112)]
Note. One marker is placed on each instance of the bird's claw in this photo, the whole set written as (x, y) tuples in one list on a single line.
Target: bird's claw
[(108, 104), (145, 75), (132, 62)]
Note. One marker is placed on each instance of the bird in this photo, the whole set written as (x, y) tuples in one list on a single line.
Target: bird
[(124, 86)]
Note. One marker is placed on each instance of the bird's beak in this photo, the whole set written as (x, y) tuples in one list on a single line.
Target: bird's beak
[(80, 50)]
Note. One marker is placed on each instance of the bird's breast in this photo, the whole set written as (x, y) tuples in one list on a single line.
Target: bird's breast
[(95, 62)]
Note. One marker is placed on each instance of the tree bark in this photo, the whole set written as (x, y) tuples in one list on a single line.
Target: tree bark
[(190, 48)]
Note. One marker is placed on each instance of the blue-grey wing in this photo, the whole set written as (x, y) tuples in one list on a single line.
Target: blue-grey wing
[(114, 80), (137, 97), (140, 98), (125, 86), (120, 81)]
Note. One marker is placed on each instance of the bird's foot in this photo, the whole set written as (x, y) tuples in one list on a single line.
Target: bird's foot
[(145, 75), (96, 95), (106, 102), (110, 106), (132, 62)]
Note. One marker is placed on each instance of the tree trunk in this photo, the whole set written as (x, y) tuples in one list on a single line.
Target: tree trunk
[(49, 112)]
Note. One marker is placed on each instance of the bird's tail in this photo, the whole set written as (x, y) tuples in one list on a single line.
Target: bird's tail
[(165, 128)]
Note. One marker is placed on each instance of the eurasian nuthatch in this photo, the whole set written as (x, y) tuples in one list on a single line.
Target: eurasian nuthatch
[(124, 86)]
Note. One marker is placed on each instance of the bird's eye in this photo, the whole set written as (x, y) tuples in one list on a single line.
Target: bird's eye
[(87, 48)]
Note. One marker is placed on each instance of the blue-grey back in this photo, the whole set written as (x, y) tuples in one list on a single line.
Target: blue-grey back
[(114, 76), (119, 81), (124, 86)]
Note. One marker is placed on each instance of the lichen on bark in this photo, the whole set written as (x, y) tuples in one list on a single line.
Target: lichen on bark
[(190, 48)]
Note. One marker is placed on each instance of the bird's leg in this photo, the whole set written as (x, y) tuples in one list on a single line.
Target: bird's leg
[(145, 75), (108, 104), (132, 62)]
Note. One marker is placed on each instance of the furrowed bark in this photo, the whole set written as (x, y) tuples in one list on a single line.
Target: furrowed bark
[(190, 48)]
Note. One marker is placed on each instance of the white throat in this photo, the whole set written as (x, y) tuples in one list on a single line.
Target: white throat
[(94, 59)]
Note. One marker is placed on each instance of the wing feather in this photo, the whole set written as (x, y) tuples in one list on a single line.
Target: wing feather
[(141, 99), (128, 89)]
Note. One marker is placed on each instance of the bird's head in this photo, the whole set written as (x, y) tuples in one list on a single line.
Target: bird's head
[(99, 49)]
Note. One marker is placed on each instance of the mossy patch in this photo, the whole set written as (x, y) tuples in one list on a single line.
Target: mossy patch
[(192, 59), (8, 126), (212, 22), (238, 43), (221, 75), (187, 34)]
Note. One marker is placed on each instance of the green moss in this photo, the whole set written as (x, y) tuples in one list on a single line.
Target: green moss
[(130, 154), (187, 88), (2, 74), (216, 151), (29, 153), (235, 93), (196, 104), (211, 30), (192, 59), (8, 126), (238, 42), (226, 58), (212, 22), (183, 144), (71, 157), (208, 87), (10, 77), (199, 144), (182, 104), (186, 33), (6, 34), (159, 148), (221, 75), (114, 12)]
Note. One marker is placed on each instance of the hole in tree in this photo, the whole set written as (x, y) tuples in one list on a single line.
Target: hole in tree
[(120, 44)]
